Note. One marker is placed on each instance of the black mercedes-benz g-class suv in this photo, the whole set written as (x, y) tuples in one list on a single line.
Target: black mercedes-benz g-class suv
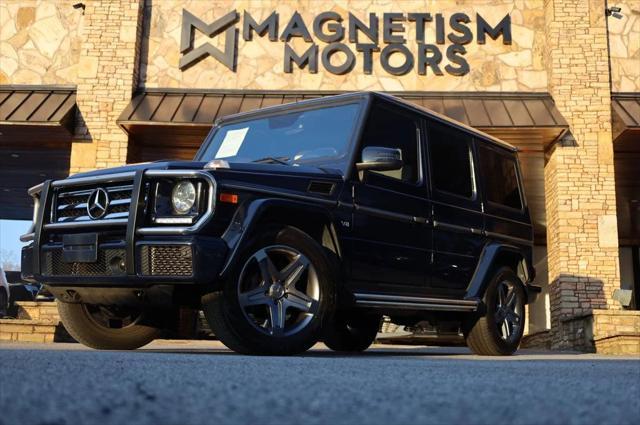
[(294, 224)]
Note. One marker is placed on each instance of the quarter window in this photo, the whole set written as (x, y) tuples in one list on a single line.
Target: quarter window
[(451, 160), (500, 177), (389, 129)]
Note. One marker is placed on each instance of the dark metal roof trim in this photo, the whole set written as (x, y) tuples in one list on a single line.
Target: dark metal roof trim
[(627, 107), (38, 105), (481, 113), (204, 107)]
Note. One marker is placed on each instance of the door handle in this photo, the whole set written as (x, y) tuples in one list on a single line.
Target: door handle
[(420, 220)]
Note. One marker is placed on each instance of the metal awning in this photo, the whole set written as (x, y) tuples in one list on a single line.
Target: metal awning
[(191, 113), (626, 121), (38, 106), (36, 128)]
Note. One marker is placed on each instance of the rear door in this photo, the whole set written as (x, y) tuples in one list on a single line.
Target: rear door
[(457, 211), (506, 213), (391, 238)]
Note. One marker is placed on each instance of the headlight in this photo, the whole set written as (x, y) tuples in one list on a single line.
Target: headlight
[(183, 197)]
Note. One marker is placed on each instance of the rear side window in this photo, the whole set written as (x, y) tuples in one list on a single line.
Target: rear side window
[(500, 178), (451, 160)]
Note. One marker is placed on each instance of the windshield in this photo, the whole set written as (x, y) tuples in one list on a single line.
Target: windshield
[(313, 137)]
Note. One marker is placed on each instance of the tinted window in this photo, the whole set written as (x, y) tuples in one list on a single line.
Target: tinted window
[(389, 129), (500, 178), (450, 154), (308, 137)]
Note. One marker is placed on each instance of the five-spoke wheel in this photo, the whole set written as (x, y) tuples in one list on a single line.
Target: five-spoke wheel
[(508, 316), (274, 300), (278, 300), (500, 330)]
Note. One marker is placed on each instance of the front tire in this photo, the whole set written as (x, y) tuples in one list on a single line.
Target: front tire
[(499, 332), (105, 328), (276, 298)]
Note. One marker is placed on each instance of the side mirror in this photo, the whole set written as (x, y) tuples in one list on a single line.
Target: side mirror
[(380, 159)]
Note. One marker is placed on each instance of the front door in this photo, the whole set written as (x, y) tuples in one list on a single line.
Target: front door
[(391, 239)]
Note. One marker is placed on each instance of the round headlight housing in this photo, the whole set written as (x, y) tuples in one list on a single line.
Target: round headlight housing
[(183, 197)]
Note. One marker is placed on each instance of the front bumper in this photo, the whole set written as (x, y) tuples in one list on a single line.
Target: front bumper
[(121, 251), (182, 260)]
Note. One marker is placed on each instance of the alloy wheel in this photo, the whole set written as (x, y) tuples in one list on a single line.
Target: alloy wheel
[(508, 315), (278, 290)]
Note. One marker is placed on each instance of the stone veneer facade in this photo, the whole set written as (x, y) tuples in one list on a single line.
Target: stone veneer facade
[(494, 65), (559, 46), (582, 239), (624, 47), (40, 42), (107, 77)]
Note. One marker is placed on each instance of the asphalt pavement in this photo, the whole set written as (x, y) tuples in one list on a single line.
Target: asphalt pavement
[(178, 382)]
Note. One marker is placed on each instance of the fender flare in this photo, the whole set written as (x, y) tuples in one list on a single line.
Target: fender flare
[(480, 279), (243, 224)]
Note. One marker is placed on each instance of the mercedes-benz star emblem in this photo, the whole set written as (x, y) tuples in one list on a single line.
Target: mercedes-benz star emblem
[(98, 203)]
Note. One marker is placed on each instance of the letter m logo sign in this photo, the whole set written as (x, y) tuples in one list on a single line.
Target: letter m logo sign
[(191, 55)]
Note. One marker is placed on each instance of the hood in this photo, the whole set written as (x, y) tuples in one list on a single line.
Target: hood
[(199, 165), (158, 165)]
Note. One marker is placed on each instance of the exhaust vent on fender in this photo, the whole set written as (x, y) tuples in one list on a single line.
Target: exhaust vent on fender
[(320, 187)]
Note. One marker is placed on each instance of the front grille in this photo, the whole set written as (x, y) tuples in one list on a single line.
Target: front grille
[(166, 260), (107, 264), (71, 204)]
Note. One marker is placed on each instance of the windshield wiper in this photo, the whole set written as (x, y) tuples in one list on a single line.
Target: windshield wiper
[(274, 160)]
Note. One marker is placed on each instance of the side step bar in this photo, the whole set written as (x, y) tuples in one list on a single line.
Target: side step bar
[(414, 303)]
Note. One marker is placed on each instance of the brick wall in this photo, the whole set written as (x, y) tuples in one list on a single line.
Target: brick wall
[(107, 76), (580, 201)]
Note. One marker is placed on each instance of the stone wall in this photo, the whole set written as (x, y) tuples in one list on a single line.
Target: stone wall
[(582, 236), (38, 310), (107, 77), (605, 332), (493, 66), (624, 44), (39, 41)]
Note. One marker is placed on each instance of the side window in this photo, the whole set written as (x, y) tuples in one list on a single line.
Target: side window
[(500, 178), (451, 160), (390, 129)]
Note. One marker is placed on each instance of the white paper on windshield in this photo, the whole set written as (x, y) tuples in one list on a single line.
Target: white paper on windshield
[(232, 142)]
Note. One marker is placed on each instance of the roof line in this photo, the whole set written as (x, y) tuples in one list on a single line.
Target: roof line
[(422, 94), (37, 88), (625, 94)]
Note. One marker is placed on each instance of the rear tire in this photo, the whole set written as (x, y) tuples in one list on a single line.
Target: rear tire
[(88, 325), (499, 331), (4, 303), (276, 298), (351, 333)]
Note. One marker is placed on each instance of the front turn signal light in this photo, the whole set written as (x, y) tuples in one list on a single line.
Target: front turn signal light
[(229, 198)]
